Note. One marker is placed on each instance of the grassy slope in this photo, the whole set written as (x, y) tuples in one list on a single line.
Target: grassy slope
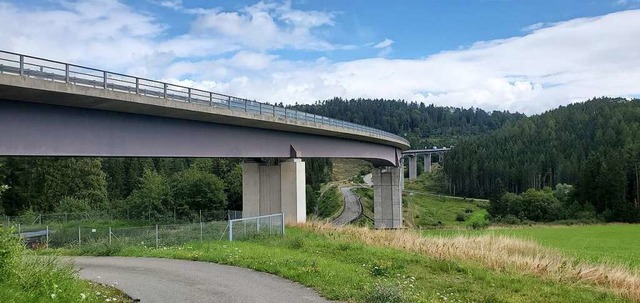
[(28, 278), (347, 270), (618, 244)]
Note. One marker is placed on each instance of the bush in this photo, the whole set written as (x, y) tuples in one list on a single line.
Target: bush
[(478, 220), (385, 293), (461, 217)]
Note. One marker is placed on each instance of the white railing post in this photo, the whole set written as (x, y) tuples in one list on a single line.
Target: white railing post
[(201, 233), (79, 237), (157, 238), (104, 79), (109, 235), (230, 230), (282, 222)]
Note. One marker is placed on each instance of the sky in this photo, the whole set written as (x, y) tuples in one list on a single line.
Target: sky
[(528, 56)]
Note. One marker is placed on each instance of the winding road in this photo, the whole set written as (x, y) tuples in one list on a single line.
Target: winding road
[(166, 280), (352, 206)]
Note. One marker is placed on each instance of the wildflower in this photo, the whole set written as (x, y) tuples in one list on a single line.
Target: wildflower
[(83, 296), (53, 296)]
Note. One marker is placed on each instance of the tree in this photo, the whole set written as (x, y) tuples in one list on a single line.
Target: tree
[(152, 199), (194, 189)]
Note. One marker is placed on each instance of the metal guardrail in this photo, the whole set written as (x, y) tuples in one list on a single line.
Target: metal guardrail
[(34, 67)]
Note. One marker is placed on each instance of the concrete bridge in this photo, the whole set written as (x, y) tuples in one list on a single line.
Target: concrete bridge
[(51, 108), (412, 156)]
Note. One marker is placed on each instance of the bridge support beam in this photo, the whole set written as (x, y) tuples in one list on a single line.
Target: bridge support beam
[(427, 163), (271, 189), (413, 167), (387, 197)]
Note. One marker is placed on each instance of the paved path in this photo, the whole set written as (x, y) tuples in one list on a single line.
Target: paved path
[(352, 207), (167, 280)]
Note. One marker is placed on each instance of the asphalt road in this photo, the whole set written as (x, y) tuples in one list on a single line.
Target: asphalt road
[(167, 280), (352, 207)]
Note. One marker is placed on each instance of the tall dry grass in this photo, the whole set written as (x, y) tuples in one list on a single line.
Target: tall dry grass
[(495, 252)]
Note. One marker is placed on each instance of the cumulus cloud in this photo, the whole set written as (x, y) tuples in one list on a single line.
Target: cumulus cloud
[(231, 52)]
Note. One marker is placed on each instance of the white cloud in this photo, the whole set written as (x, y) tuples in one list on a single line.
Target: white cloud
[(229, 52), (384, 44)]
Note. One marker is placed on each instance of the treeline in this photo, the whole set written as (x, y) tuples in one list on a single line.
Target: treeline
[(594, 146), (132, 187), (423, 125)]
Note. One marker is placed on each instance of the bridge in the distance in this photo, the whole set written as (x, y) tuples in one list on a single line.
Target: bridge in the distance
[(413, 154), (51, 108)]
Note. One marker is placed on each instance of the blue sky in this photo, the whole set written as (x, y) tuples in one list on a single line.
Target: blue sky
[(527, 56)]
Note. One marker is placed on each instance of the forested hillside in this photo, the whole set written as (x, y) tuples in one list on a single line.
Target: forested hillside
[(424, 125), (594, 146)]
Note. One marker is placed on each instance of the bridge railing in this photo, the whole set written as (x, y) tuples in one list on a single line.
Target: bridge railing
[(34, 67)]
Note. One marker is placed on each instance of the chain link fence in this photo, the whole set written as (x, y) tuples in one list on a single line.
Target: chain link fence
[(105, 235)]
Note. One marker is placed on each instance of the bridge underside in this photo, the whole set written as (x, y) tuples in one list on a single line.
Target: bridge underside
[(33, 129)]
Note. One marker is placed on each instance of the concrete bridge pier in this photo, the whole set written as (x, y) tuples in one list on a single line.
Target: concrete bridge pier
[(427, 163), (274, 188), (387, 197), (413, 167)]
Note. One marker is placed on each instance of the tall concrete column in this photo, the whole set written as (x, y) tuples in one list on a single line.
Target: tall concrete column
[(271, 189), (401, 175), (427, 163), (413, 167), (387, 197), (293, 186)]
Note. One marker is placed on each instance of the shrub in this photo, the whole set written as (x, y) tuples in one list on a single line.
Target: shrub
[(478, 220), (385, 293), (461, 217)]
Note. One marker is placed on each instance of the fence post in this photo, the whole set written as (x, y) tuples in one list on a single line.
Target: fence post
[(109, 235), (66, 73), (157, 236), (200, 230), (104, 78), (79, 237), (229, 102), (189, 94), (19, 229), (282, 222), (165, 90), (47, 236), (137, 85), (210, 99), (230, 230)]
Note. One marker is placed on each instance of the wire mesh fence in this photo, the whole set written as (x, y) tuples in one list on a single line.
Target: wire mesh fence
[(261, 225), (86, 235)]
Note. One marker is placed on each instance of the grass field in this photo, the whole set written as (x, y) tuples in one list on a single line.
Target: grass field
[(613, 243), (355, 265)]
